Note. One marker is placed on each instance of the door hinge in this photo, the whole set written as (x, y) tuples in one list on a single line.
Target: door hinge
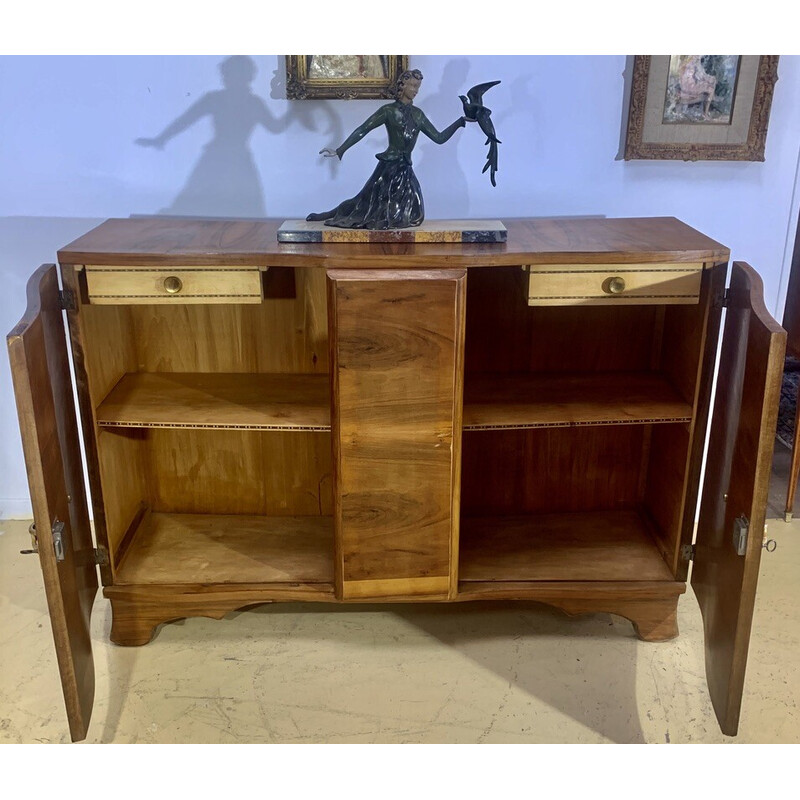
[(723, 300), (688, 552), (100, 557), (58, 539), (741, 527), (66, 299)]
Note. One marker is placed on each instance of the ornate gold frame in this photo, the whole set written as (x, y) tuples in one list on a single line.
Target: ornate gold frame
[(640, 145), (299, 86)]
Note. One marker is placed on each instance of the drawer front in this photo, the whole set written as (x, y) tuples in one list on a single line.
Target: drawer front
[(608, 284), (107, 285)]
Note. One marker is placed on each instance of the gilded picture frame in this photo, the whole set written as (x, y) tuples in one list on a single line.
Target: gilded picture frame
[(700, 108), (342, 77)]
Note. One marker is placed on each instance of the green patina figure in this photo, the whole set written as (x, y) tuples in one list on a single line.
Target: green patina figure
[(392, 197)]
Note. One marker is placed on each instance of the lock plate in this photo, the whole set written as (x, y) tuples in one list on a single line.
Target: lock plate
[(58, 539), (741, 526)]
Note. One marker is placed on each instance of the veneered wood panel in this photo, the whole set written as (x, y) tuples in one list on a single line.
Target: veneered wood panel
[(736, 484), (688, 354), (280, 335), (665, 484), (44, 394), (278, 473), (264, 401), (107, 285), (592, 284), (581, 468), (683, 341), (396, 342), (521, 400), (158, 241), (594, 546), (104, 350), (504, 334), (209, 548)]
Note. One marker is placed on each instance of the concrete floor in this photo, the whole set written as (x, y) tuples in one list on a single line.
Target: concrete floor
[(458, 673)]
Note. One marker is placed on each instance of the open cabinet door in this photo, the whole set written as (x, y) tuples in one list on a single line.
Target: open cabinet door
[(732, 511), (43, 388)]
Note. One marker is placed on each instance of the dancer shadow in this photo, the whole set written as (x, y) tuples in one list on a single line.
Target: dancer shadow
[(444, 183), (225, 181)]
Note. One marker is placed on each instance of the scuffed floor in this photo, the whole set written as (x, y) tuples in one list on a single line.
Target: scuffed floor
[(403, 673)]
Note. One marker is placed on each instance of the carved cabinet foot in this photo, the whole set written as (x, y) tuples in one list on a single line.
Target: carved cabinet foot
[(131, 626), (653, 620)]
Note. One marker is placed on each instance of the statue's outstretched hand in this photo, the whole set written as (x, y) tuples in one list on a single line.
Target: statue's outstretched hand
[(327, 152)]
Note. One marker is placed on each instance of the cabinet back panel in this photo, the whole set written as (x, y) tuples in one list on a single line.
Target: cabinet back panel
[(278, 335), (276, 473), (504, 334), (589, 468)]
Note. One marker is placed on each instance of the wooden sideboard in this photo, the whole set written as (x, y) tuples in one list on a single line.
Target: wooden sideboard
[(397, 422)]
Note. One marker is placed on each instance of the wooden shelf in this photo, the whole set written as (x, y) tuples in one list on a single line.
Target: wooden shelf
[(216, 548), (211, 400), (494, 402), (590, 546)]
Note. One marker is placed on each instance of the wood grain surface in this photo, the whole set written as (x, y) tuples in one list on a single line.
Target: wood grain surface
[(590, 284), (161, 241), (395, 341), (218, 400), (521, 400), (504, 334), (594, 546), (280, 335), (541, 470), (737, 478), (104, 348), (106, 285), (278, 473), (209, 548), (44, 395), (137, 610)]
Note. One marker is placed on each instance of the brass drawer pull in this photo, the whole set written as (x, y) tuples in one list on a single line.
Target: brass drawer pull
[(173, 284), (614, 285)]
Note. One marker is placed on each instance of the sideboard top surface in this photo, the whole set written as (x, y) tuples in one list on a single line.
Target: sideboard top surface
[(187, 241)]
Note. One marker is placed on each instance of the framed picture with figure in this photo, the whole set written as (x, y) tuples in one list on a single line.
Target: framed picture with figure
[(697, 108), (342, 77)]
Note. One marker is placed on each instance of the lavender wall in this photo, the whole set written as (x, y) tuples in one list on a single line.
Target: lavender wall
[(69, 158)]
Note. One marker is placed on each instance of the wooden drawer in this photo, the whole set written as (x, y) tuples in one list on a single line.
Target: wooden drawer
[(607, 284), (116, 286)]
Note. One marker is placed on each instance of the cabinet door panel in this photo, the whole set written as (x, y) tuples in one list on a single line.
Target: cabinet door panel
[(43, 389), (737, 479), (397, 349)]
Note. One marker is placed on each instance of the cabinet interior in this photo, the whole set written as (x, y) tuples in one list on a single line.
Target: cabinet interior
[(213, 437), (578, 423), (213, 434)]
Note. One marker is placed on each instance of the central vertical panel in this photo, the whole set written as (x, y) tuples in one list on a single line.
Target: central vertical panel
[(397, 342)]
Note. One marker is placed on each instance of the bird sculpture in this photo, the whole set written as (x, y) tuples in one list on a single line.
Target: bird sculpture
[(474, 109)]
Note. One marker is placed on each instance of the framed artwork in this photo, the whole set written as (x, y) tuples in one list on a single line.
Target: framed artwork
[(698, 108), (342, 77)]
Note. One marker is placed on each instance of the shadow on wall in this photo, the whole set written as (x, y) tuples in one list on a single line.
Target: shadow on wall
[(444, 183), (225, 181)]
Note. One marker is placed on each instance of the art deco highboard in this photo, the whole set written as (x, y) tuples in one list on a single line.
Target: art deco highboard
[(397, 422)]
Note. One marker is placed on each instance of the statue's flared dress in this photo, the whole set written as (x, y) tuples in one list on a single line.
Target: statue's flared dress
[(392, 197)]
